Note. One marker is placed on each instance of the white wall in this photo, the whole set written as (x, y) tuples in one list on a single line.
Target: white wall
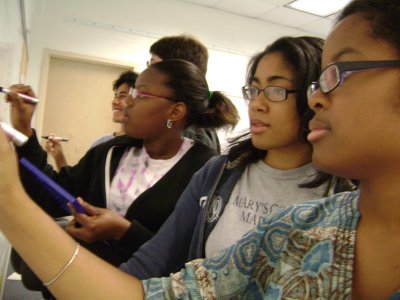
[(11, 42), (85, 27)]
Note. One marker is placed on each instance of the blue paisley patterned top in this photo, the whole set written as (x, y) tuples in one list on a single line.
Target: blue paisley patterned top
[(304, 252)]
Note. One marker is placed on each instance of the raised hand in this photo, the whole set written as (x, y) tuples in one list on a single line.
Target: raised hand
[(54, 148), (21, 110)]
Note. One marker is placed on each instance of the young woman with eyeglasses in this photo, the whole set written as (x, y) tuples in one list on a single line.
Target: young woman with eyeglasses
[(341, 247), (265, 170)]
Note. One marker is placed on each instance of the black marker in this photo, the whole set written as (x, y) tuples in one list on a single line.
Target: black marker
[(56, 138)]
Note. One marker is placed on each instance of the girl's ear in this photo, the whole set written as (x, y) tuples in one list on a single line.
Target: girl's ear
[(177, 112)]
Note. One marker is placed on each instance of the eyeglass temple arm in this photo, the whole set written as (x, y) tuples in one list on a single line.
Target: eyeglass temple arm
[(355, 66)]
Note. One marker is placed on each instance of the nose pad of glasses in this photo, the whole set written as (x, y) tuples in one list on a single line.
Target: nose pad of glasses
[(314, 86), (260, 103)]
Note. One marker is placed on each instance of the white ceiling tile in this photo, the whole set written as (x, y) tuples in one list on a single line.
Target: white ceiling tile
[(288, 17), (272, 11), (333, 17), (249, 8), (279, 2), (202, 2)]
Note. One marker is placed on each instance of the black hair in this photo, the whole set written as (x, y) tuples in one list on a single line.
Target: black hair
[(303, 54), (206, 109), (184, 47), (384, 16), (128, 77)]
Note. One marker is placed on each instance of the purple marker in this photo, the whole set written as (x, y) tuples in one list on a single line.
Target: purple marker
[(54, 189)]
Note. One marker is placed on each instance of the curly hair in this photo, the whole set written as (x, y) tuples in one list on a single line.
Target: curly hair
[(184, 47), (128, 77)]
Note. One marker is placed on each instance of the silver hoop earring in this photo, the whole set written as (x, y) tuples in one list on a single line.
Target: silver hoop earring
[(169, 124)]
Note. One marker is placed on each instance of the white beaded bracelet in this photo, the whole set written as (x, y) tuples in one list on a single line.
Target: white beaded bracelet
[(58, 275)]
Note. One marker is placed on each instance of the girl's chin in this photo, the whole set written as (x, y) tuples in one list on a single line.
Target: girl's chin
[(118, 120), (259, 144), (118, 115), (132, 133)]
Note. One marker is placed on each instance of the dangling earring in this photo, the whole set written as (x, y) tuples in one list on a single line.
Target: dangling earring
[(169, 124)]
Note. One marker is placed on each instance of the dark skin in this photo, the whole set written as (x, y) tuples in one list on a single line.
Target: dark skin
[(21, 111), (144, 118), (371, 155)]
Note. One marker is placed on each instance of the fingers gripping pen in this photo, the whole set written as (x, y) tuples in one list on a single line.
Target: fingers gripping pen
[(55, 138), (25, 97)]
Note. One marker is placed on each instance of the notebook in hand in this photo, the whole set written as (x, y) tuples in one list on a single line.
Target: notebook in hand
[(54, 189)]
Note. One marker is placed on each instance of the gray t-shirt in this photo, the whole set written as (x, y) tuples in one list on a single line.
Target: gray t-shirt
[(260, 192)]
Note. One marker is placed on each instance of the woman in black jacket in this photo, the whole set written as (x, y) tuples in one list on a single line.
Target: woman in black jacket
[(139, 176)]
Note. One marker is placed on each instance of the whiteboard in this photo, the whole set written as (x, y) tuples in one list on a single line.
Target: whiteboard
[(11, 47)]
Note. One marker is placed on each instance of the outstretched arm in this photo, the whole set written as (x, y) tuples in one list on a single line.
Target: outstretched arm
[(87, 277)]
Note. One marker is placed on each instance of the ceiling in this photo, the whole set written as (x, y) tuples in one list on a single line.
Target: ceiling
[(272, 11)]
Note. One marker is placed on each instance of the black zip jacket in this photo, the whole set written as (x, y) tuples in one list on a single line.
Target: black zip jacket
[(87, 179)]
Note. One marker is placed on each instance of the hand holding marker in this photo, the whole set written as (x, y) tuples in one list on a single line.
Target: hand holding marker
[(25, 97), (61, 195), (55, 138)]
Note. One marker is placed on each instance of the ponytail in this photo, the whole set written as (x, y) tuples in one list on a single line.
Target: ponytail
[(205, 109), (220, 113)]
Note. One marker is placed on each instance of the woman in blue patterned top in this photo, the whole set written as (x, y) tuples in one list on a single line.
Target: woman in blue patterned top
[(342, 247)]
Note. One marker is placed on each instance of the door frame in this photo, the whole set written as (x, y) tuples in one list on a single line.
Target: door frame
[(48, 54)]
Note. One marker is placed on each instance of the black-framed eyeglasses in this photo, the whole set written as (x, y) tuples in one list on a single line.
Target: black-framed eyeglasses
[(334, 74), (272, 93)]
